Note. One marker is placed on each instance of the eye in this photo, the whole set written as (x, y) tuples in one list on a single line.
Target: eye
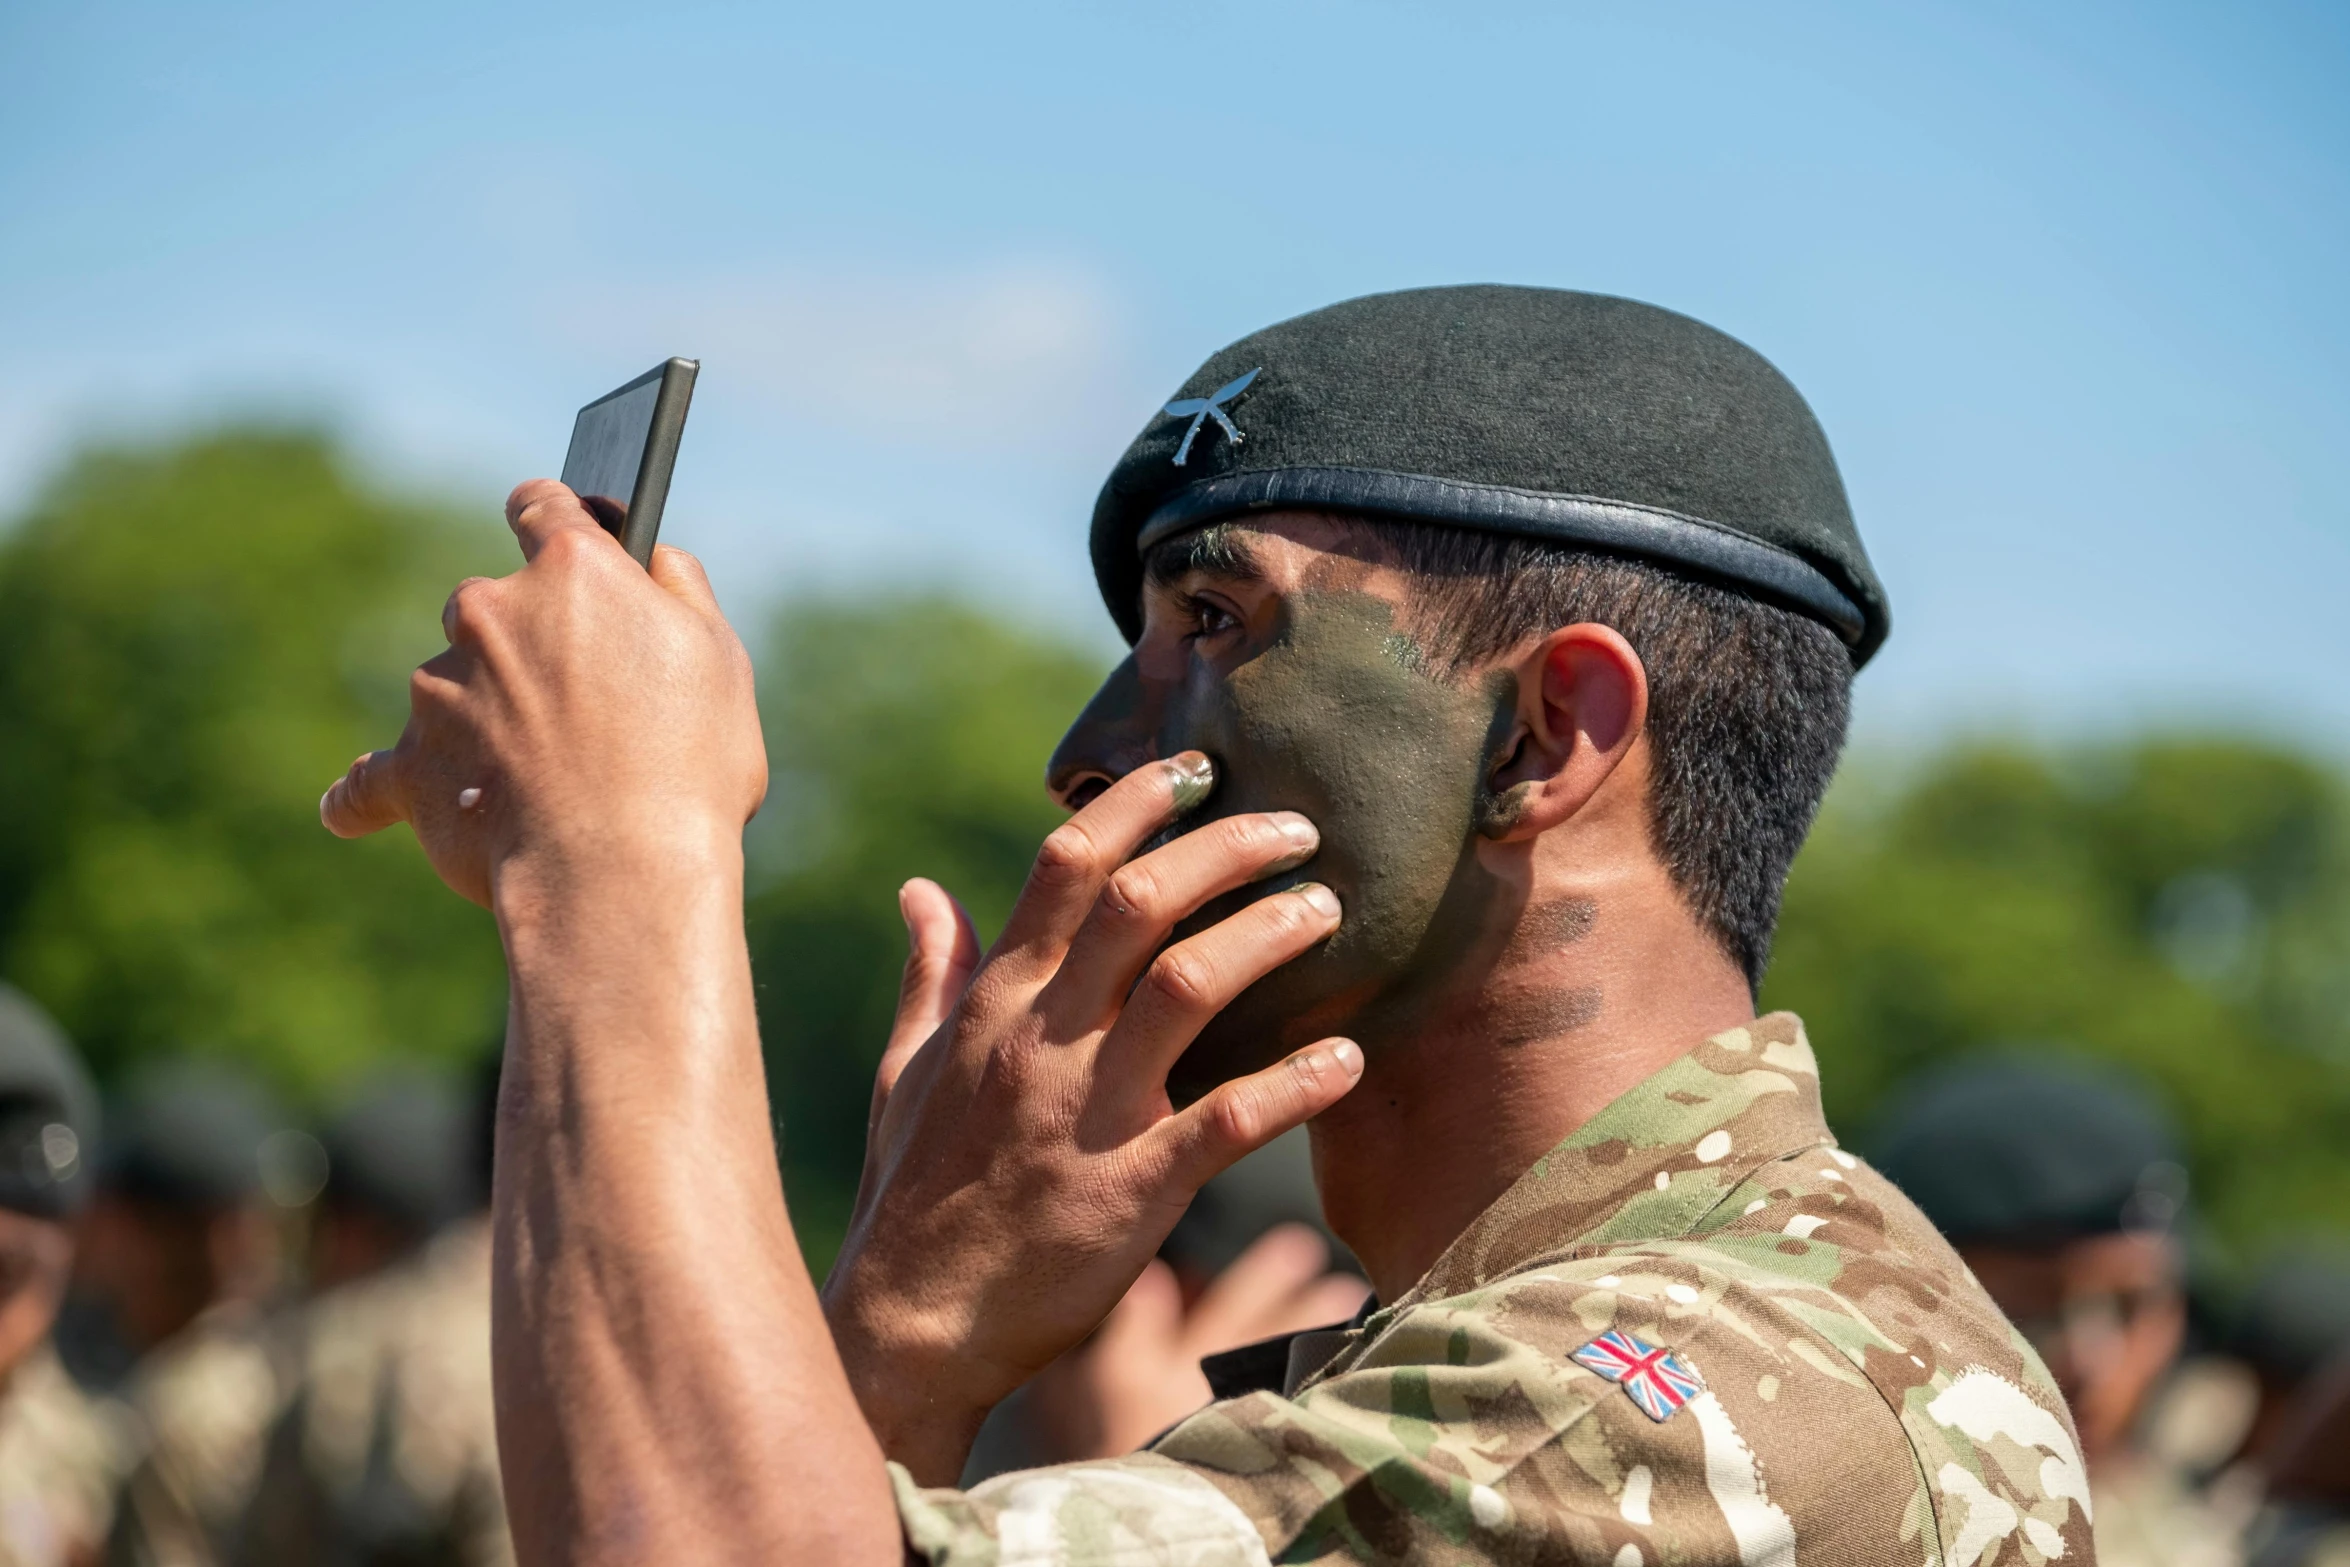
[(1206, 618)]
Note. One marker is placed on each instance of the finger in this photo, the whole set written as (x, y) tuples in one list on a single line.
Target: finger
[(1078, 856), (1243, 1115), (943, 949), (1147, 1321), (541, 509), (1332, 1298), (1141, 900), (1199, 976), (684, 577), (1252, 1299), (368, 798)]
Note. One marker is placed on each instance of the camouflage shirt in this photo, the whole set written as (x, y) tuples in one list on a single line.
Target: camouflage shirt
[(388, 1449), (1801, 1371), (62, 1453)]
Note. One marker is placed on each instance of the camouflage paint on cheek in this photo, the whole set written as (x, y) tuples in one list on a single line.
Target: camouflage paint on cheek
[(1341, 718)]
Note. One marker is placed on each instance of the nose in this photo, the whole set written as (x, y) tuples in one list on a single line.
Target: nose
[(1114, 735)]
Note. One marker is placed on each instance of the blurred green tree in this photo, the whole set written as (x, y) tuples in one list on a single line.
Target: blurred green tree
[(908, 738), (2180, 906), (194, 640)]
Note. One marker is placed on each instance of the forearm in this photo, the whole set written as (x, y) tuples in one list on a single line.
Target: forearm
[(667, 1389)]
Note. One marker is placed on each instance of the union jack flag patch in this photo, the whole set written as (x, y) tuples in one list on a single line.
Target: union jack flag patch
[(1658, 1380)]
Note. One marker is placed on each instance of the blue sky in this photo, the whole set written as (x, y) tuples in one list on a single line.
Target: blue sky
[(2065, 284)]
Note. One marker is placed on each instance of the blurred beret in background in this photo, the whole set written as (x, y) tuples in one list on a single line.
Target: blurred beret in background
[(2026, 1152), (403, 1149), (48, 1113), (189, 1135)]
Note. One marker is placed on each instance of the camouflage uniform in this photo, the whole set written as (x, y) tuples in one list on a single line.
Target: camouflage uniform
[(1861, 1400), (388, 1451), (203, 1403), (61, 1455)]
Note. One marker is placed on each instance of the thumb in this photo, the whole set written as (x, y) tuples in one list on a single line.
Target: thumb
[(366, 799), (943, 949)]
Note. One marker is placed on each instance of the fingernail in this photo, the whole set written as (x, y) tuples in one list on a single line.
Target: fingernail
[(1348, 1055), (1303, 838), (1191, 778), (1318, 897)]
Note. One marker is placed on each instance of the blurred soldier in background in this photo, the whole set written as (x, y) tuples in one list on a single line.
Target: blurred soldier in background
[(2293, 1329), (2061, 1187), (181, 1253), (1249, 1261), (2291, 1321), (61, 1453), (386, 1455)]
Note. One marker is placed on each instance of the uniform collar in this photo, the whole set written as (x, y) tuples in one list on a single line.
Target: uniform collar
[(1652, 1165)]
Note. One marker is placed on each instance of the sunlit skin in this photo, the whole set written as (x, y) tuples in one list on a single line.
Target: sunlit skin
[(1526, 958), (158, 1268), (670, 1385), (2106, 1313), (36, 1256)]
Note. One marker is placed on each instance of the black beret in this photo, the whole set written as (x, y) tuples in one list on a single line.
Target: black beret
[(1579, 418), (2296, 1315), (189, 1136), (2033, 1152), (402, 1149), (48, 1113)]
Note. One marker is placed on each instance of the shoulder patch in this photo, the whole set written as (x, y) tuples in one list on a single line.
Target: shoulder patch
[(1659, 1381)]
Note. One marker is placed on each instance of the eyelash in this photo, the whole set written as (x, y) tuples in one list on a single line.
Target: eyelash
[(1198, 612)]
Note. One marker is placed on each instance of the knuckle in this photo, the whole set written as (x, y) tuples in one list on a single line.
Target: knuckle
[(1184, 978), (563, 547), (1131, 894), (1232, 1121), (470, 608), (1067, 857)]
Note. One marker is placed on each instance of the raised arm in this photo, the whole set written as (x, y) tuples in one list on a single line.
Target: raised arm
[(582, 760), (666, 1387)]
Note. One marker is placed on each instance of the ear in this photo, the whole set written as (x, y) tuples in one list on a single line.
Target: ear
[(1582, 702)]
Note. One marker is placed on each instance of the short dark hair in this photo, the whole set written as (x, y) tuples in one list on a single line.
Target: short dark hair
[(1748, 701)]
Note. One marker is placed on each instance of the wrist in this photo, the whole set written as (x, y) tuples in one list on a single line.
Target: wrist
[(912, 1378), (645, 866)]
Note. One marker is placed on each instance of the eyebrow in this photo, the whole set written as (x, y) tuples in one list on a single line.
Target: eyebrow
[(1219, 550)]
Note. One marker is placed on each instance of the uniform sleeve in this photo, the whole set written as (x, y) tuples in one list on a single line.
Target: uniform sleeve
[(1463, 1430)]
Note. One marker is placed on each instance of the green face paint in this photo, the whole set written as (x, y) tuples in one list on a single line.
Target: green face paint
[(1340, 718)]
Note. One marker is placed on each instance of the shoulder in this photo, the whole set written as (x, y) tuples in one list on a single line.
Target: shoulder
[(62, 1453), (1872, 1297), (1848, 1393), (1633, 1407)]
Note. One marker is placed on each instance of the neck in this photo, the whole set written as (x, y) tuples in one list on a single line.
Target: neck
[(1575, 1012)]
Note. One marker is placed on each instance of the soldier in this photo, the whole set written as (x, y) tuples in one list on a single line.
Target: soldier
[(61, 1453), (1492, 651), (2062, 1188), (185, 1257), (387, 1453)]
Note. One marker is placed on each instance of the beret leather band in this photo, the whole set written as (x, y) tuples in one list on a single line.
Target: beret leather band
[(1649, 532)]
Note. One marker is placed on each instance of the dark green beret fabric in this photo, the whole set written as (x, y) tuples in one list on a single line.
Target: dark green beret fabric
[(2029, 1152), (1543, 412), (48, 1113), (188, 1136), (2296, 1314), (403, 1150)]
